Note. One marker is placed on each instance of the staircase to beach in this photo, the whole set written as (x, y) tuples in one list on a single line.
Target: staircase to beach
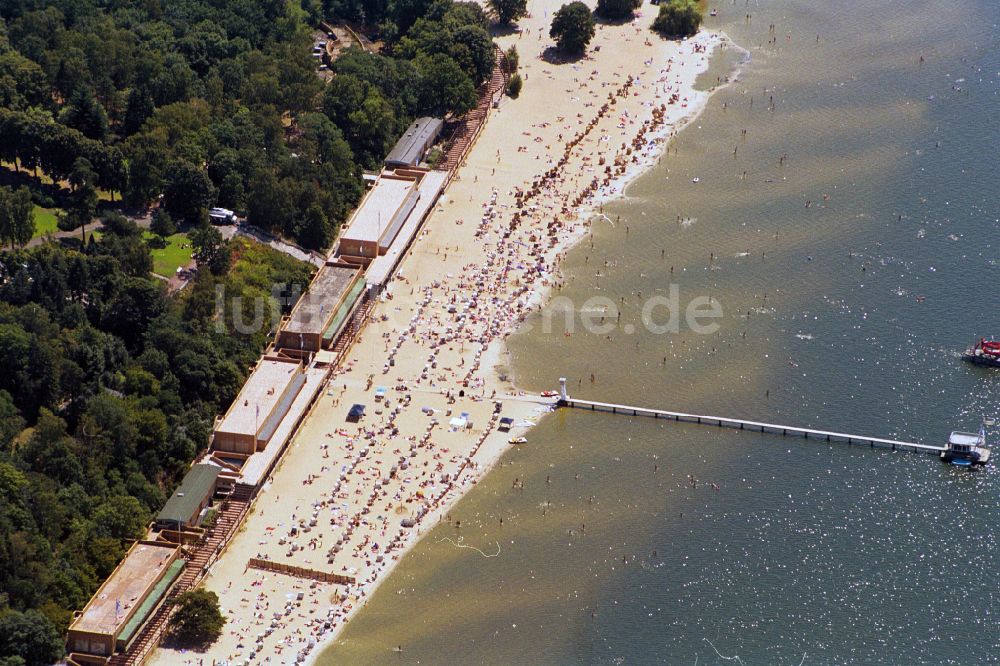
[(472, 122), (346, 337), (199, 557)]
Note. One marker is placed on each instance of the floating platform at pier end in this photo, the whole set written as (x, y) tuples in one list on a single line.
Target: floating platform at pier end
[(753, 426)]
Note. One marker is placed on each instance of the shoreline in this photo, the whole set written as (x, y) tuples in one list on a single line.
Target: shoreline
[(615, 191), (303, 638)]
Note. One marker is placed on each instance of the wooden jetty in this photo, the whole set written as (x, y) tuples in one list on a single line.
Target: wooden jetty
[(754, 426), (300, 572)]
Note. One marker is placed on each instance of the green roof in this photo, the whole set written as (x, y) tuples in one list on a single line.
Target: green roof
[(198, 484), (343, 311), (149, 603)]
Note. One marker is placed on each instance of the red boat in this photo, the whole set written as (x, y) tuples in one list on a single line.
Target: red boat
[(985, 352)]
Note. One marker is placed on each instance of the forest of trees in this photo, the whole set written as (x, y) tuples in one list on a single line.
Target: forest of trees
[(219, 103), (109, 390), (110, 386)]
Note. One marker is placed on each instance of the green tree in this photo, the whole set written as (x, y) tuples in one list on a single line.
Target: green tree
[(162, 224), (362, 112), (188, 191), (269, 205), (393, 77), (72, 73), (11, 422), (140, 106), (572, 28), (508, 11), (371, 127), (22, 82), (515, 85), (617, 9), (472, 48), (513, 58), (86, 114), (404, 13), (83, 198), (210, 249), (145, 162), (17, 216), (460, 33), (123, 240), (30, 636), (137, 303), (345, 93), (120, 517), (198, 620), (312, 230), (444, 86), (677, 19)]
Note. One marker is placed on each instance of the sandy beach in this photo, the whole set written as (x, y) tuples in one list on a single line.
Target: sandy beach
[(487, 256)]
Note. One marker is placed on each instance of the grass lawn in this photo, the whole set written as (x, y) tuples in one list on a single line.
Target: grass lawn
[(45, 221), (167, 260)]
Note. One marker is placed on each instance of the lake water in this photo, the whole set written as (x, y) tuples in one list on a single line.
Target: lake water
[(851, 242)]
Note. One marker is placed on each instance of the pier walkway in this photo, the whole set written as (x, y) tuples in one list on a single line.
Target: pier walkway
[(754, 426)]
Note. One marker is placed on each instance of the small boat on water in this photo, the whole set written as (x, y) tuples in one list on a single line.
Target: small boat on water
[(966, 449), (985, 352), (549, 394), (517, 440)]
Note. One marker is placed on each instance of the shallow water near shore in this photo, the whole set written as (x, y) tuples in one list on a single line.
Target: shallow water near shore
[(853, 261)]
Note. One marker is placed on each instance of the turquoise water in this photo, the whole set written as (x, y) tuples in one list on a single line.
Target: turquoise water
[(866, 259)]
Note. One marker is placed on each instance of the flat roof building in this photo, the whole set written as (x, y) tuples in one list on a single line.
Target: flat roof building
[(410, 149), (322, 310), (380, 270), (111, 619), (194, 494), (257, 411), (380, 216)]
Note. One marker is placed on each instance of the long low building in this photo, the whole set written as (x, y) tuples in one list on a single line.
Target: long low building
[(410, 149), (253, 417), (380, 270), (121, 606), (323, 310), (379, 218), (184, 507)]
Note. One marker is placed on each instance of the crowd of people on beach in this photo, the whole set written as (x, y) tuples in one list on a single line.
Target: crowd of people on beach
[(375, 487)]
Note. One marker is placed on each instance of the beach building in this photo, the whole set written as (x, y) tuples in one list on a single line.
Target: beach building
[(410, 149), (429, 186), (322, 311), (128, 598), (259, 408), (194, 495), (379, 218)]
